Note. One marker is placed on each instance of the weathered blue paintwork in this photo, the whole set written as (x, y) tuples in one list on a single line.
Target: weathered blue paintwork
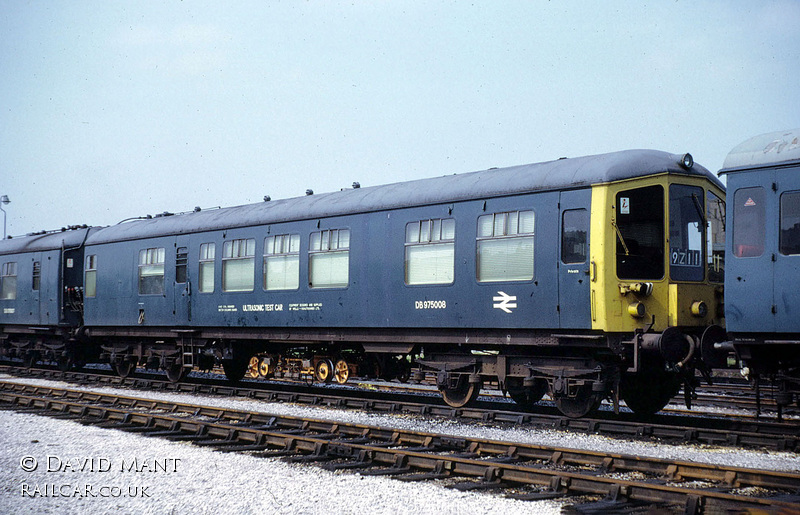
[(377, 295), (61, 257), (762, 293)]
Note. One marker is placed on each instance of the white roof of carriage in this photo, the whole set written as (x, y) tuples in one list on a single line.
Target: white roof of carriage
[(765, 150)]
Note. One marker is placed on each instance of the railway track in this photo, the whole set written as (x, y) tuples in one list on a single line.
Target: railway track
[(522, 471), (722, 431), (724, 393)]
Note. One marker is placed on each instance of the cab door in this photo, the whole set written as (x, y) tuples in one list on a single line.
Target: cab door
[(573, 266)]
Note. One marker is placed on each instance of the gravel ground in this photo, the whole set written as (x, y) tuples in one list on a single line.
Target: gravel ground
[(199, 480), (195, 480)]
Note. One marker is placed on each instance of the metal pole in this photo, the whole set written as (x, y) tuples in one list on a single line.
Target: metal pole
[(4, 200)]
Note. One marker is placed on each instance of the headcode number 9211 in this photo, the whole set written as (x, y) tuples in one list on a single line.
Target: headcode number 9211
[(430, 304)]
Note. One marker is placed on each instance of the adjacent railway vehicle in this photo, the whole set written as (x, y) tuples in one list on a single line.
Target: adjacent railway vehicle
[(762, 285), (588, 278)]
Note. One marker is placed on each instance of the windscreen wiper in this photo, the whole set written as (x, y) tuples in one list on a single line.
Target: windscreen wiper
[(621, 239)]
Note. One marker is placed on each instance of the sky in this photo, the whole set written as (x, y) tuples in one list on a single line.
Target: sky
[(112, 109)]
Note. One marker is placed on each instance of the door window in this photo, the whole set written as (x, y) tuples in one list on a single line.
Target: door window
[(574, 228), (639, 228), (748, 222), (790, 223)]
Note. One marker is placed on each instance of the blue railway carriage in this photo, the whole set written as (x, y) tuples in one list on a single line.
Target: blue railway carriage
[(589, 278), (41, 297), (762, 285)]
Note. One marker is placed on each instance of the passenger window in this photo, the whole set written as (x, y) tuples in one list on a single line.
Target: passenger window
[(749, 222), (687, 227), (8, 281), (574, 228), (505, 247), (90, 281), (790, 223), (239, 265), (639, 228), (37, 275), (151, 271), (430, 252), (181, 262), (206, 278), (329, 259), (282, 262)]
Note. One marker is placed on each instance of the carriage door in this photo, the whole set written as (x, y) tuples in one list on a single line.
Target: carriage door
[(573, 259), (182, 291), (38, 297), (787, 260), (749, 297)]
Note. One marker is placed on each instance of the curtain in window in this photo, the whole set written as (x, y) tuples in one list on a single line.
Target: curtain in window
[(508, 259), (430, 264), (329, 269), (282, 272), (238, 274)]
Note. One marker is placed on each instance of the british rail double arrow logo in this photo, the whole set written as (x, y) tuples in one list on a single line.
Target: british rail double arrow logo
[(504, 301)]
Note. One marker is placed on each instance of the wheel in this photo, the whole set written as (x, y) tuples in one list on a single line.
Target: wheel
[(341, 371), (404, 374), (324, 371), (461, 395), (264, 370), (648, 394), (30, 359), (401, 369), (526, 397), (235, 369), (64, 363), (176, 372), (252, 368), (124, 367), (581, 404)]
